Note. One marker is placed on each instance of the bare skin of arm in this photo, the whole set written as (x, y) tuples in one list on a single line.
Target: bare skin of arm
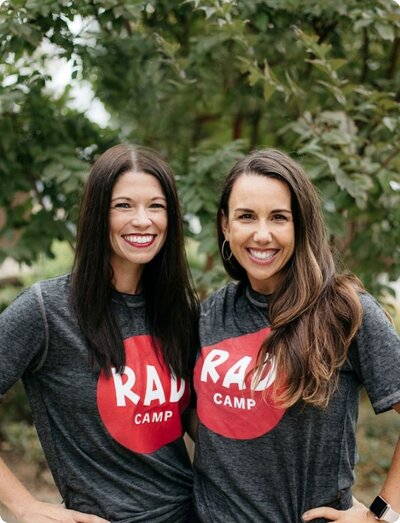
[(359, 513), (27, 509)]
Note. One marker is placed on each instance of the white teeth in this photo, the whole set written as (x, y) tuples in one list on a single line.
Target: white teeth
[(262, 255), (139, 239)]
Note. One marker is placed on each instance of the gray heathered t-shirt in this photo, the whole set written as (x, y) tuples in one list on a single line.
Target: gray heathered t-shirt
[(114, 445), (258, 463)]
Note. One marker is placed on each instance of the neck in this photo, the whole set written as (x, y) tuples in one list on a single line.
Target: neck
[(127, 288), (127, 281)]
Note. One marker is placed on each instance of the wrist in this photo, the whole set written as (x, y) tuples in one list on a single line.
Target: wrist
[(382, 511), (23, 506)]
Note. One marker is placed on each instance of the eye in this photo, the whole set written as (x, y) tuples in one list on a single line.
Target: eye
[(121, 205), (280, 218), (158, 205), (245, 216)]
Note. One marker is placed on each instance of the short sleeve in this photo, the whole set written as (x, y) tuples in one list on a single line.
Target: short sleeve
[(375, 356), (22, 336)]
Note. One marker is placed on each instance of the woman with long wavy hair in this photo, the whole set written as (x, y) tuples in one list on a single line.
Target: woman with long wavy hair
[(284, 351), (105, 354)]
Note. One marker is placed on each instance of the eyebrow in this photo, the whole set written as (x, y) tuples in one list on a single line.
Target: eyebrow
[(245, 209), (126, 198)]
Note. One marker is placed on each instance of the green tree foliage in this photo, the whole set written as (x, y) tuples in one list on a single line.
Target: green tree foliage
[(204, 81)]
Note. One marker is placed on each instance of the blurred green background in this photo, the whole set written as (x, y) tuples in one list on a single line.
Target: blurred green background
[(204, 82)]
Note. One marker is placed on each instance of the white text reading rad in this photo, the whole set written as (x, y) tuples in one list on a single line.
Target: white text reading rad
[(215, 370), (153, 388)]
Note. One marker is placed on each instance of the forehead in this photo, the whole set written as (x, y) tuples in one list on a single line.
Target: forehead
[(131, 182), (250, 190)]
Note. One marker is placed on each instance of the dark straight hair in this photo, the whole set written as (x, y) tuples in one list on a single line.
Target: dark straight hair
[(170, 298), (316, 312)]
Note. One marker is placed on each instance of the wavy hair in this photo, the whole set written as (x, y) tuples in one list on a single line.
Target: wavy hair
[(171, 302), (316, 312)]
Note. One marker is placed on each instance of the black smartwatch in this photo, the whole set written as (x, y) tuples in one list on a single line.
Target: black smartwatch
[(383, 511)]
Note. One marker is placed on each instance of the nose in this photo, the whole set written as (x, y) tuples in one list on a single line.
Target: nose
[(140, 217), (262, 233)]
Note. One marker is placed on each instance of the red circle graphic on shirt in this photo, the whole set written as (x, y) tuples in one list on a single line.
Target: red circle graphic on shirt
[(226, 403), (142, 408)]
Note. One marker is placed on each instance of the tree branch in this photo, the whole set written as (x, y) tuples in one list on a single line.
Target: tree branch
[(391, 157), (393, 59), (365, 56)]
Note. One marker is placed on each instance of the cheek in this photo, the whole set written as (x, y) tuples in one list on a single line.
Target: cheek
[(112, 230), (162, 225), (290, 241), (236, 233), (115, 223)]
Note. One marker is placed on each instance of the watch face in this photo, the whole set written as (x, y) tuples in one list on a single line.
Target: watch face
[(378, 507)]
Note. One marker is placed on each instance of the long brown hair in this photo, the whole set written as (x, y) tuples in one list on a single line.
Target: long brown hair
[(315, 313), (171, 302)]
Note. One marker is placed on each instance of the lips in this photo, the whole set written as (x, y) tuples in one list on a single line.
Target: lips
[(262, 255), (139, 240)]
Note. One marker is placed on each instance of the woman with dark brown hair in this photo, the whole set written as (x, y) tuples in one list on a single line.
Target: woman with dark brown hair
[(284, 352), (105, 352)]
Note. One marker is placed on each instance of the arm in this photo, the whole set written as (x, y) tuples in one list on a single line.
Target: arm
[(28, 509), (22, 336), (391, 486), (358, 513)]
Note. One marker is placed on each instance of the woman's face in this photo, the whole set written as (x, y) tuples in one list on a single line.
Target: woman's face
[(138, 226), (260, 229)]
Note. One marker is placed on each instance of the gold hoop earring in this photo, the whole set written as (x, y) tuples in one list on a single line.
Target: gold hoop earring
[(224, 256)]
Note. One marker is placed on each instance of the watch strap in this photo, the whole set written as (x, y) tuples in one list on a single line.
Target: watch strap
[(391, 516)]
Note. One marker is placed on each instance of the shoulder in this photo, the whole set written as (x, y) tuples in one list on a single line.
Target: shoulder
[(30, 306), (59, 283), (348, 294), (377, 329), (53, 290), (42, 295), (220, 298), (373, 312), (23, 305), (32, 295)]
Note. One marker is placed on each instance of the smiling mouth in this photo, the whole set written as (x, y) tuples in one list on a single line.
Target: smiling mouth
[(262, 256), (139, 240)]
